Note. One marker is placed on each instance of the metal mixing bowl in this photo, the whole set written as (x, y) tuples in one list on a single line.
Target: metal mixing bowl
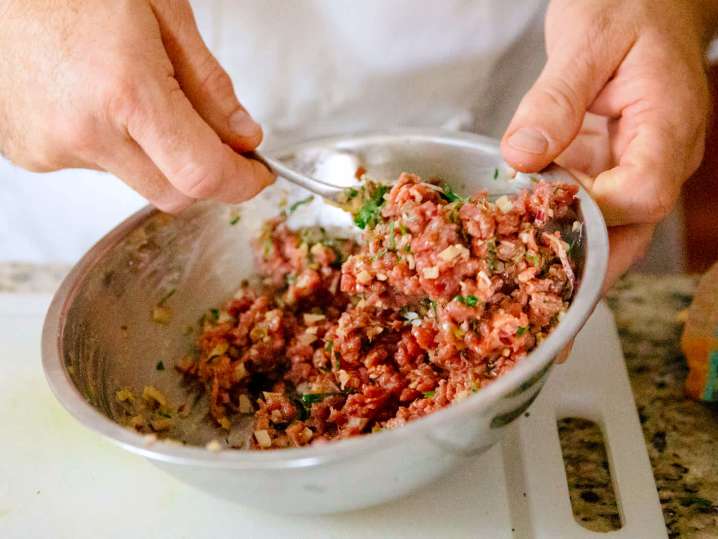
[(99, 336)]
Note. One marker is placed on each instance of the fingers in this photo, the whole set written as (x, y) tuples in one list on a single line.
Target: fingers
[(582, 57), (205, 83), (127, 161), (644, 187), (186, 150), (627, 245), (590, 152)]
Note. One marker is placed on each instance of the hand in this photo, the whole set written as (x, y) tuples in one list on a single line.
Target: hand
[(128, 87), (624, 100)]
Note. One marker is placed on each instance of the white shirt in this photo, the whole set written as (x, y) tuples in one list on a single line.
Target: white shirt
[(305, 69)]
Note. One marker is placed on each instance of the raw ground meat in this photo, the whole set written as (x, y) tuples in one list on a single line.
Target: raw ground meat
[(442, 296)]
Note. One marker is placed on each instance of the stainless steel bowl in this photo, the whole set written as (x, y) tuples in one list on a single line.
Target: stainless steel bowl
[(99, 337)]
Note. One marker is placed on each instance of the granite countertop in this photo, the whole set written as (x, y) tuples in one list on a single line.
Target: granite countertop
[(681, 435)]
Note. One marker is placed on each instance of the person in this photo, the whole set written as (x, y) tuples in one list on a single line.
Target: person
[(130, 87)]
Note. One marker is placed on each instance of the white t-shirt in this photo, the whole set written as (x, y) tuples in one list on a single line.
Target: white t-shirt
[(307, 69)]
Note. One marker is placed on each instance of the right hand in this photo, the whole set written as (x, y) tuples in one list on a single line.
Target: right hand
[(128, 87)]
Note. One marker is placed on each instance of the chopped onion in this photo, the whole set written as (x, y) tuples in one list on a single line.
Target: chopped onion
[(310, 318), (263, 439), (453, 251), (504, 204), (161, 314), (306, 339), (484, 278), (364, 277), (245, 405), (410, 260), (151, 393), (431, 273), (240, 372), (213, 446)]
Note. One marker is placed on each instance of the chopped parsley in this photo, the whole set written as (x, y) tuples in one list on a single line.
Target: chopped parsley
[(313, 398), (496, 173), (215, 314), (234, 220), (521, 330), (160, 366), (351, 193), (392, 239), (470, 301), (533, 259), (451, 195), (491, 260), (369, 213), (429, 394), (298, 203)]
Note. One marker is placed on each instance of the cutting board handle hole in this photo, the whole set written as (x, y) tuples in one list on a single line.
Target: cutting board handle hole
[(588, 474)]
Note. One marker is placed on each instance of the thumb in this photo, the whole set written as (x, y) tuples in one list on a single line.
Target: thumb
[(551, 114), (202, 79)]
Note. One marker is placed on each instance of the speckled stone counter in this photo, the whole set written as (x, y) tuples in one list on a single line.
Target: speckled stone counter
[(681, 435)]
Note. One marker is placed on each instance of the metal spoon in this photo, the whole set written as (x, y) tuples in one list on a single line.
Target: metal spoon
[(318, 187)]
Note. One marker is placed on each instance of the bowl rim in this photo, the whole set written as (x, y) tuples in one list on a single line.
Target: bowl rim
[(586, 298)]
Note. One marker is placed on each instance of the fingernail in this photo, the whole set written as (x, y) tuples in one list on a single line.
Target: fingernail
[(528, 140), (243, 124)]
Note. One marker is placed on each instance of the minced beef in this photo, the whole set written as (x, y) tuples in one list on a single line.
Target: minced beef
[(441, 296)]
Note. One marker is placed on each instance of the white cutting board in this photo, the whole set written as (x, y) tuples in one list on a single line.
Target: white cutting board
[(58, 479)]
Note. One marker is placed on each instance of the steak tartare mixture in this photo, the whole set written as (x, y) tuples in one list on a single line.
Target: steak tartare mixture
[(442, 295)]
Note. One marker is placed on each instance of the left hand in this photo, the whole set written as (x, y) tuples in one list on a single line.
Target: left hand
[(624, 100)]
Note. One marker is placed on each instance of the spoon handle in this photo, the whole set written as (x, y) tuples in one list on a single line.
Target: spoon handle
[(325, 190)]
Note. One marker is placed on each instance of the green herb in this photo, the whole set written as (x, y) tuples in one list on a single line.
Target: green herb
[(534, 179), (402, 229), (267, 247), (313, 398), (451, 195), (167, 296), (298, 203), (428, 394), (160, 366), (407, 248), (368, 215), (351, 193), (392, 239), (470, 301), (215, 314), (533, 259), (234, 220), (433, 307), (496, 174), (521, 330), (165, 414), (491, 261)]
